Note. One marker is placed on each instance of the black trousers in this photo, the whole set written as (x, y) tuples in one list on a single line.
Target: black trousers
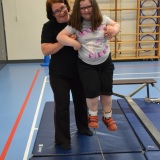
[(97, 79), (61, 87)]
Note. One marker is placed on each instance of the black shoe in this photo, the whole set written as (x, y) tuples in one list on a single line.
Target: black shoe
[(65, 146), (87, 132)]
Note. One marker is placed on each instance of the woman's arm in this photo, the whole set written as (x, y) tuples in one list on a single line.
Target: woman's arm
[(64, 37), (50, 48), (112, 29)]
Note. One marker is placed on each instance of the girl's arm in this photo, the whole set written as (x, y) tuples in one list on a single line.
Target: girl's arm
[(64, 37)]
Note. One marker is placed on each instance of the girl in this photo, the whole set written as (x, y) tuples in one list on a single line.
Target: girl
[(95, 64)]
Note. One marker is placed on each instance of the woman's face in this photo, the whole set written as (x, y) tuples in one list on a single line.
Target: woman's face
[(60, 12), (86, 9)]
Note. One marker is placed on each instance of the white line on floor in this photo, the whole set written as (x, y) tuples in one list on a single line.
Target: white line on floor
[(25, 157)]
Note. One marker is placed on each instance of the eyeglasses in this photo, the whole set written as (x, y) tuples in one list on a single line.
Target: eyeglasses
[(57, 12), (84, 8)]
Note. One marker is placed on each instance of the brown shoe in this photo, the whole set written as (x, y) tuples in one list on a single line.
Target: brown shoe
[(93, 121), (110, 123)]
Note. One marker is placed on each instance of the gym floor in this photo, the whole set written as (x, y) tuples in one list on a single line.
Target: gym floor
[(24, 90)]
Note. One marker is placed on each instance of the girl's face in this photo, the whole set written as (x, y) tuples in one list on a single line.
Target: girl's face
[(86, 9), (60, 12)]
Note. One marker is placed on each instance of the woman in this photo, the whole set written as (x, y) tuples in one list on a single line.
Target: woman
[(95, 63), (63, 75)]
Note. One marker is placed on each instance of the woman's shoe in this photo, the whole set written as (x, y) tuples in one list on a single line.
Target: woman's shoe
[(65, 146), (86, 132)]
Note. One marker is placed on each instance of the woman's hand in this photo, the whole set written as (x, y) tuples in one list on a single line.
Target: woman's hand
[(76, 45), (111, 30), (73, 36)]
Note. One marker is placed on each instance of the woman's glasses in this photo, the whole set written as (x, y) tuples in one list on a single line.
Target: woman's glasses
[(57, 12)]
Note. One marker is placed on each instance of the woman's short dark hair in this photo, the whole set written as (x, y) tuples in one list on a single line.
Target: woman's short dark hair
[(49, 7)]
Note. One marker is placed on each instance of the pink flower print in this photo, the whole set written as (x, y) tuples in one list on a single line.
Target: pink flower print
[(104, 51), (98, 40), (101, 27), (84, 32), (100, 54), (106, 47), (80, 34), (88, 30), (90, 55)]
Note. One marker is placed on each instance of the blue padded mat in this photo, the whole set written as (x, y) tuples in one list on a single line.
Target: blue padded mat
[(152, 155), (118, 156), (152, 111), (123, 140)]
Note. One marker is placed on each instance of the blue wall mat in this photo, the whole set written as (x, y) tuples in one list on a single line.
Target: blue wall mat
[(119, 156), (152, 111), (152, 155), (123, 140)]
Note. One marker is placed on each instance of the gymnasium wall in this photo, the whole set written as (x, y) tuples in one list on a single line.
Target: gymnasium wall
[(23, 23), (24, 20)]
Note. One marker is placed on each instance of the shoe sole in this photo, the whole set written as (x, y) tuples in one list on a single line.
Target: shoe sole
[(93, 126)]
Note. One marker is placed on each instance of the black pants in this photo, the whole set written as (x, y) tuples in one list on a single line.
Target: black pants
[(97, 79), (61, 87)]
